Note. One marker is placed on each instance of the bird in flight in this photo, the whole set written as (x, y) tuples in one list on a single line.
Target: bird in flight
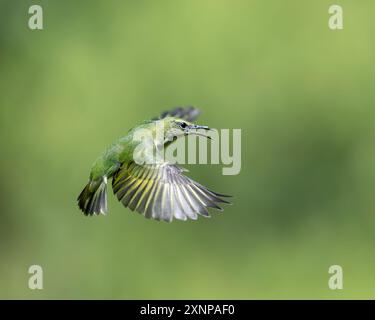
[(154, 188)]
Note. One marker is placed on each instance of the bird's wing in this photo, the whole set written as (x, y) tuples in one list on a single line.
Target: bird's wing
[(162, 192), (186, 113)]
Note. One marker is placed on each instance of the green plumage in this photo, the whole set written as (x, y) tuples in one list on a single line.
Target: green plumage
[(157, 190)]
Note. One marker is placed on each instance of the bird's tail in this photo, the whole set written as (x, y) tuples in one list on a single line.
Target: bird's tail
[(93, 198)]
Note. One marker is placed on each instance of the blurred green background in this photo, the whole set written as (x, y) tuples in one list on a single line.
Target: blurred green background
[(302, 94)]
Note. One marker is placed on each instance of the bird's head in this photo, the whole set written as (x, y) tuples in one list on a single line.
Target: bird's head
[(175, 128)]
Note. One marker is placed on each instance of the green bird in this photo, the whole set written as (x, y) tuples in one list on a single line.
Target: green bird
[(153, 188)]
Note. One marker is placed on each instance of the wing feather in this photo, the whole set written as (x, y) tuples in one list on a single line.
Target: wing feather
[(163, 192)]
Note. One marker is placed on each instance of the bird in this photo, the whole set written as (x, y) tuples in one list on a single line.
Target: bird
[(156, 189)]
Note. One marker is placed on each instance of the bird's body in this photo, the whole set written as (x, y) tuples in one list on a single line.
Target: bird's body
[(118, 152), (154, 188)]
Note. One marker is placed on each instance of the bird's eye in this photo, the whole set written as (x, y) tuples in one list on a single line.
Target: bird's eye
[(183, 125)]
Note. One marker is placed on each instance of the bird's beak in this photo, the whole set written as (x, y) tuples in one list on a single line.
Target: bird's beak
[(196, 127)]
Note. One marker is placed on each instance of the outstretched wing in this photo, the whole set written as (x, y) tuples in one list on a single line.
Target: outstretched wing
[(162, 192), (186, 113)]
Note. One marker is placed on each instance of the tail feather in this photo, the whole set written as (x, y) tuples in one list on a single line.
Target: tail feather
[(93, 198)]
